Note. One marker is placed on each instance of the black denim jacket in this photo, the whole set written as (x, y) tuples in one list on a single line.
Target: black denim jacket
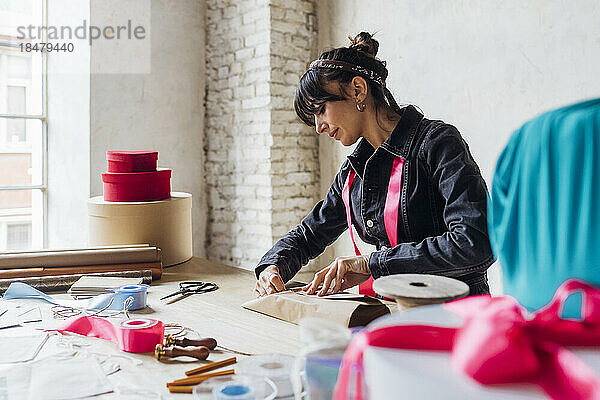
[(442, 219)]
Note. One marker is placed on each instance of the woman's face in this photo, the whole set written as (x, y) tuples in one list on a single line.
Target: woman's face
[(340, 119)]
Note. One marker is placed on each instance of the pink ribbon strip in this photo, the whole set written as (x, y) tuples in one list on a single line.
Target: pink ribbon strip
[(392, 202), (498, 344), (139, 335), (390, 213), (346, 200)]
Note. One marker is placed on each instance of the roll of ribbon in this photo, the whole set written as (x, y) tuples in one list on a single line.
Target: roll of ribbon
[(139, 335), (129, 297), (120, 298), (276, 367)]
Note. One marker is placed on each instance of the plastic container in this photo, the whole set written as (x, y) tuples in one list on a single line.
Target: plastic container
[(238, 387), (166, 224), (318, 364), (321, 369), (277, 367), (137, 186), (131, 161)]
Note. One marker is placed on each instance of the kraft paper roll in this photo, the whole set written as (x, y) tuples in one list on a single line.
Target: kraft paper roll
[(77, 257), (154, 267), (166, 224), (139, 335)]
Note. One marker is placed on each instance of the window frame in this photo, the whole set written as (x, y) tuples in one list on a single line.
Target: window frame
[(43, 117)]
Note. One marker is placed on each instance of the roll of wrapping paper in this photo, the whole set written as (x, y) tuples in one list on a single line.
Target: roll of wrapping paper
[(67, 249), (62, 283), (138, 335), (155, 268), (75, 257)]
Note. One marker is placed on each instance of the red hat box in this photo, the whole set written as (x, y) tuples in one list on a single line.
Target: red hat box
[(132, 161), (137, 186)]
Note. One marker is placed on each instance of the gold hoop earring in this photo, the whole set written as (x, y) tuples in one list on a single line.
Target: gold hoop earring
[(360, 106)]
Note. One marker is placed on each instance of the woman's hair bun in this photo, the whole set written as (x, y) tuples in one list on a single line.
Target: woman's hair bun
[(365, 43)]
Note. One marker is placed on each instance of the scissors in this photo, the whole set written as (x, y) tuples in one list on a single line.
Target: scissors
[(193, 287)]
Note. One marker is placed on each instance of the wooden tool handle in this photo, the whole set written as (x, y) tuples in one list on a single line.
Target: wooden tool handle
[(206, 342), (196, 379), (181, 389), (200, 353), (212, 366)]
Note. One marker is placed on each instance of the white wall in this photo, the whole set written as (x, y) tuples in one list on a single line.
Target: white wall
[(162, 110), (262, 162), (484, 66)]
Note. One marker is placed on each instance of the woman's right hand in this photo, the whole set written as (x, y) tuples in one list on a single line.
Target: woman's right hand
[(269, 281)]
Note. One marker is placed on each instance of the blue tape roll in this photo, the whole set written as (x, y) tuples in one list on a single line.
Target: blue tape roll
[(137, 293)]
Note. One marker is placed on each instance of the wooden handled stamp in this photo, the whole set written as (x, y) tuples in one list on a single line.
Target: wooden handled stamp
[(185, 342), (200, 353)]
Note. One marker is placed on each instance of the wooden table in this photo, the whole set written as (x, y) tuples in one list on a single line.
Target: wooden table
[(219, 314), (215, 314)]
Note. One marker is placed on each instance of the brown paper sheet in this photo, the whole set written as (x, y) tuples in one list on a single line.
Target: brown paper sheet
[(345, 308)]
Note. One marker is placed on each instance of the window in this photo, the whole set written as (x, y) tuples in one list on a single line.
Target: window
[(18, 236), (23, 129), (16, 104)]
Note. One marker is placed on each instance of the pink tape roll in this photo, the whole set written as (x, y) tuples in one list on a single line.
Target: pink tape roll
[(139, 335)]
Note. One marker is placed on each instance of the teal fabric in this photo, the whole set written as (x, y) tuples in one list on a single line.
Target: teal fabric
[(544, 211)]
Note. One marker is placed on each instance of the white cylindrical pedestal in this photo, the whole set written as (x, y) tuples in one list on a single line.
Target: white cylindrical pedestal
[(166, 224)]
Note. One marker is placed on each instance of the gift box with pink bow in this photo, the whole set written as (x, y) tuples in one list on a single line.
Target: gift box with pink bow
[(479, 347)]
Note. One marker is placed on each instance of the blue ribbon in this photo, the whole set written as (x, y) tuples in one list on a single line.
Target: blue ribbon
[(120, 297)]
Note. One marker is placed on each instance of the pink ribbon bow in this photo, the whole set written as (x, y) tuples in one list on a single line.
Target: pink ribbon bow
[(499, 344)]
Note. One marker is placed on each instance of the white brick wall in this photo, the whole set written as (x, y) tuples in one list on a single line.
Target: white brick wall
[(262, 163)]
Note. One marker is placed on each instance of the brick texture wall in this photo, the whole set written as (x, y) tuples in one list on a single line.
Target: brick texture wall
[(262, 172)]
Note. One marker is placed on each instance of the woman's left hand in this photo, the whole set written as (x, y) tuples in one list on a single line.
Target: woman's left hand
[(346, 272)]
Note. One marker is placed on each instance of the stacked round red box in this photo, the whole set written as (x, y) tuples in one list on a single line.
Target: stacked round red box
[(133, 176)]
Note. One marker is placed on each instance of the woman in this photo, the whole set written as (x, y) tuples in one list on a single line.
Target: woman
[(411, 187)]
